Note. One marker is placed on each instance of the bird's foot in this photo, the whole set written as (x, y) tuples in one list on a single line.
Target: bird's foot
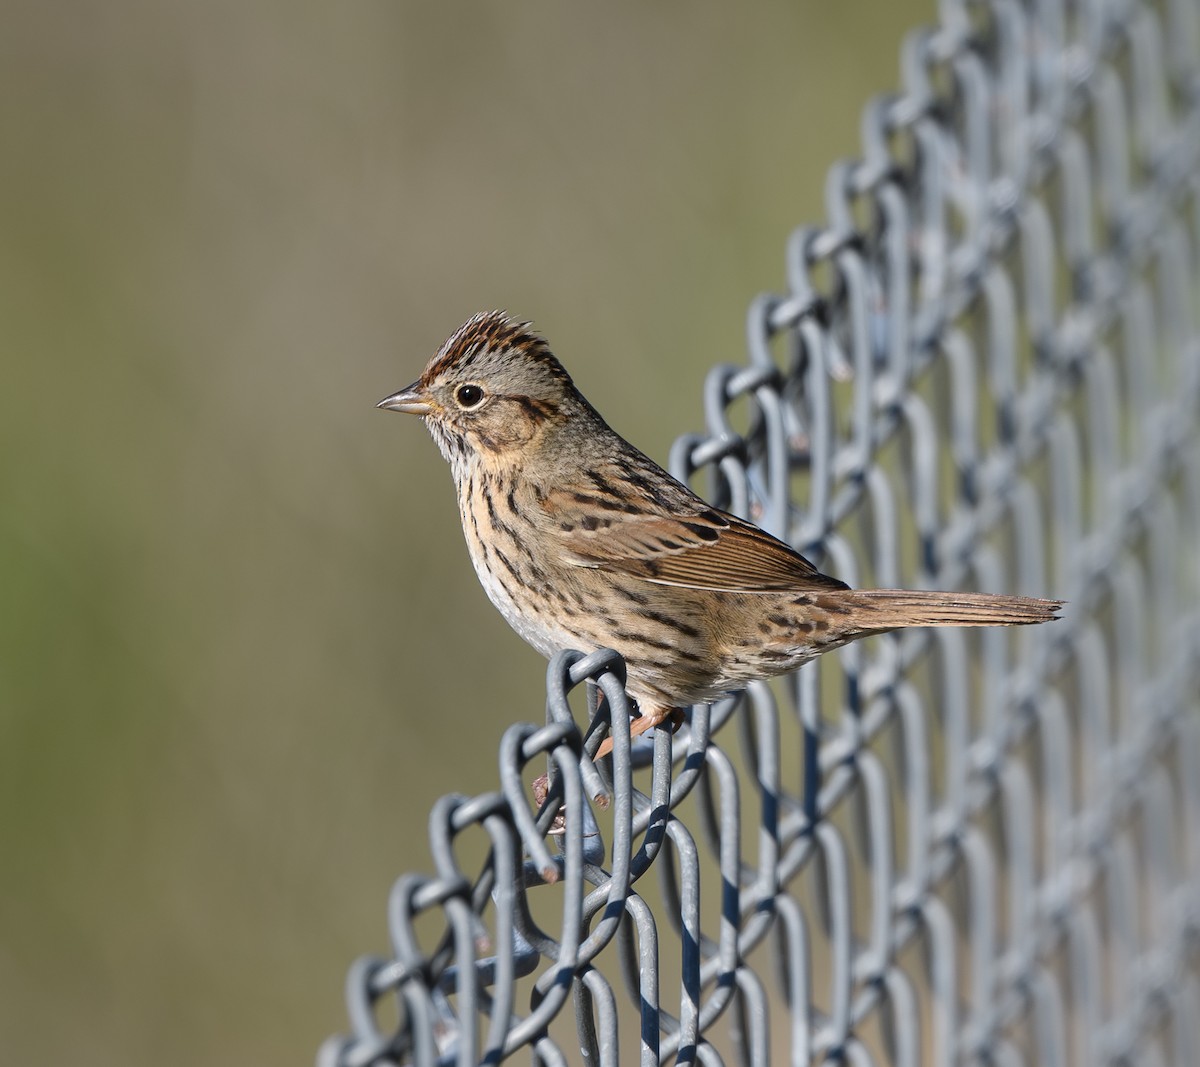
[(649, 718)]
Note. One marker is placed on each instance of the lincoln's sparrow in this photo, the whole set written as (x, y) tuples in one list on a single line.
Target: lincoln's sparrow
[(583, 542)]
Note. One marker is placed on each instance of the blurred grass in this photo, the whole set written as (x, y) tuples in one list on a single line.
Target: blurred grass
[(235, 608)]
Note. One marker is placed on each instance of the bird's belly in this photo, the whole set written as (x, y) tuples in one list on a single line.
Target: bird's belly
[(541, 633), (518, 601), (666, 655)]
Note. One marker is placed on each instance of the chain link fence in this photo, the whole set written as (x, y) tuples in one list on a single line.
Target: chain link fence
[(937, 848)]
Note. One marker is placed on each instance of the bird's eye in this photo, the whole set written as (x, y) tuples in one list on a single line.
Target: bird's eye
[(469, 396)]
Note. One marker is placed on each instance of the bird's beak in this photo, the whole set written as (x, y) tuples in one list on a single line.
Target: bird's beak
[(412, 400)]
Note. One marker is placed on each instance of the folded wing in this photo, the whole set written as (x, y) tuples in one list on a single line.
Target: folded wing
[(702, 548)]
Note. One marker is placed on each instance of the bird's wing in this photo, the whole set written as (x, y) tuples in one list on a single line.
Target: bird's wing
[(709, 549)]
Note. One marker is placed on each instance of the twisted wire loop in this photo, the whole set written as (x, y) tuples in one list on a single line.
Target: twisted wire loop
[(950, 848)]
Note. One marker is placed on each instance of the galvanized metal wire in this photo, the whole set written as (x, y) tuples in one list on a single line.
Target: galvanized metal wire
[(945, 848)]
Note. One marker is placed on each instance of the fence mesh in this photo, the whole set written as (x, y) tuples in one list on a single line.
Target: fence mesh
[(938, 848)]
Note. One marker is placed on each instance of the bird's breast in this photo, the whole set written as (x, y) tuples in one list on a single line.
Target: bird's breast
[(503, 545)]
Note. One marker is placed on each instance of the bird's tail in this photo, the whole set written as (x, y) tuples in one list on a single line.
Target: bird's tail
[(891, 609)]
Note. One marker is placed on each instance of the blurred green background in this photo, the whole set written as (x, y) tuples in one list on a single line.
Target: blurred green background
[(234, 601)]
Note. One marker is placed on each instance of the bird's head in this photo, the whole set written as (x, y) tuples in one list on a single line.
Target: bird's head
[(492, 389)]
